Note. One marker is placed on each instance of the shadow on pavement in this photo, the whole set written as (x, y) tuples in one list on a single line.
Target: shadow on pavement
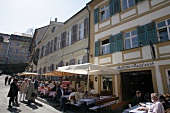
[(32, 106), (38, 104), (14, 110)]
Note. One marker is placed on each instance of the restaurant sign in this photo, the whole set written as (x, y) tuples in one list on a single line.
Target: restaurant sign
[(129, 66)]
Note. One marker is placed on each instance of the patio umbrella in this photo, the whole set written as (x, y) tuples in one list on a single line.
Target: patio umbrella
[(58, 73), (27, 74)]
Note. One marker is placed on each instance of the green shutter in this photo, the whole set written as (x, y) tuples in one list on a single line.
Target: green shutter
[(111, 8), (116, 6), (97, 48), (119, 42), (151, 32), (142, 35), (112, 41), (137, 1), (96, 14)]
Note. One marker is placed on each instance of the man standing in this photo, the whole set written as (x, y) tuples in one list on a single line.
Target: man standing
[(13, 92), (30, 91), (35, 87), (23, 89), (6, 79)]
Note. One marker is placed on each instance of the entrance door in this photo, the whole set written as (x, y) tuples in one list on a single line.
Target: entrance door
[(168, 78), (136, 80)]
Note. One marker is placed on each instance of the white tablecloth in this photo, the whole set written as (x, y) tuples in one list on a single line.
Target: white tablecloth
[(134, 109), (88, 101)]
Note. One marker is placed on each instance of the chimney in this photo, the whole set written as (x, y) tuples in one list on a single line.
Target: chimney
[(55, 19)]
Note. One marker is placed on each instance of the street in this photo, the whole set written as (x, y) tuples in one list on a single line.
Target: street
[(38, 107)]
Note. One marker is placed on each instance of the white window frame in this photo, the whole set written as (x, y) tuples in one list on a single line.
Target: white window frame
[(106, 49), (130, 37), (69, 37), (127, 4), (168, 79), (167, 27), (15, 59), (81, 31), (104, 10), (106, 76)]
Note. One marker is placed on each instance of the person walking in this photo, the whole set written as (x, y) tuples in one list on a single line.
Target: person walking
[(13, 92), (9, 81), (30, 92), (6, 79), (35, 88), (23, 89)]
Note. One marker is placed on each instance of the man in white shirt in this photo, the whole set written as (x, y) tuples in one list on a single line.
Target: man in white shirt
[(92, 91), (156, 107)]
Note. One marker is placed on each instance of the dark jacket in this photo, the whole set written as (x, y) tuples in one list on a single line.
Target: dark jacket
[(136, 100), (35, 84), (13, 90)]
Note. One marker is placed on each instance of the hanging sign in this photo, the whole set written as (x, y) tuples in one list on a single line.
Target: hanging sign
[(145, 64)]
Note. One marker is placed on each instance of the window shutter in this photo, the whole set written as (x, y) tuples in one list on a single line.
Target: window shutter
[(97, 48), (112, 41), (151, 32), (119, 42), (137, 1), (64, 39), (61, 42), (51, 49), (114, 7), (85, 27), (85, 59), (55, 44), (96, 14), (72, 35), (111, 8), (76, 30), (142, 35)]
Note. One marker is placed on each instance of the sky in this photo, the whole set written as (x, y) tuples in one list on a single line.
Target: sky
[(20, 15)]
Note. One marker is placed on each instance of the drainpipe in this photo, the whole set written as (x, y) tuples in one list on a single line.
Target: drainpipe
[(88, 49)]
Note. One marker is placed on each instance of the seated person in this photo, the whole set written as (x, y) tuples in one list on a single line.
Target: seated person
[(165, 102), (92, 91), (156, 107), (54, 87), (137, 98), (78, 95), (41, 84)]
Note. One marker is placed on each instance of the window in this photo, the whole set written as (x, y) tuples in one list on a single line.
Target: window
[(12, 43), (16, 50), (11, 50), (4, 45), (2, 53), (168, 77), (81, 31), (53, 29), (105, 47), (69, 37), (104, 12), (15, 58), (164, 30), (131, 39), (127, 4), (106, 82), (18, 44)]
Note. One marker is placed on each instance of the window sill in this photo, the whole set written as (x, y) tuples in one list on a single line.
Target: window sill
[(127, 10), (104, 20)]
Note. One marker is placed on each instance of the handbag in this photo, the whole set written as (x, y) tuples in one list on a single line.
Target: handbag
[(33, 94)]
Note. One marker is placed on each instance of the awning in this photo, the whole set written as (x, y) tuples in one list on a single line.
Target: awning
[(58, 73), (27, 74)]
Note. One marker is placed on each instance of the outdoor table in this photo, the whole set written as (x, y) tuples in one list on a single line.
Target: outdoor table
[(87, 101), (134, 109), (103, 97)]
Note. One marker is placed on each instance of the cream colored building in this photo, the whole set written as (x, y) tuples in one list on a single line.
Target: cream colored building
[(133, 37), (63, 43)]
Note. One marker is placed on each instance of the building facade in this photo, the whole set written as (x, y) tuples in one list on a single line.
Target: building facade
[(63, 43), (4, 42), (18, 49), (131, 36)]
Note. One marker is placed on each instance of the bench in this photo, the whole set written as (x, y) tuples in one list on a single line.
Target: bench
[(106, 102), (120, 104)]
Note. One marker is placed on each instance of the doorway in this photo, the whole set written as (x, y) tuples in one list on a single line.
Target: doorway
[(136, 80)]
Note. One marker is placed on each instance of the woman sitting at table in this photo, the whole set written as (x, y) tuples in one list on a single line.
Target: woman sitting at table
[(156, 107), (78, 95), (53, 87)]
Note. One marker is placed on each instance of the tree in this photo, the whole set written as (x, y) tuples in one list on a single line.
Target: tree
[(29, 32)]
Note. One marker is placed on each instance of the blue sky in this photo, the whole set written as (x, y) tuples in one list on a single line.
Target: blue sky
[(19, 15)]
